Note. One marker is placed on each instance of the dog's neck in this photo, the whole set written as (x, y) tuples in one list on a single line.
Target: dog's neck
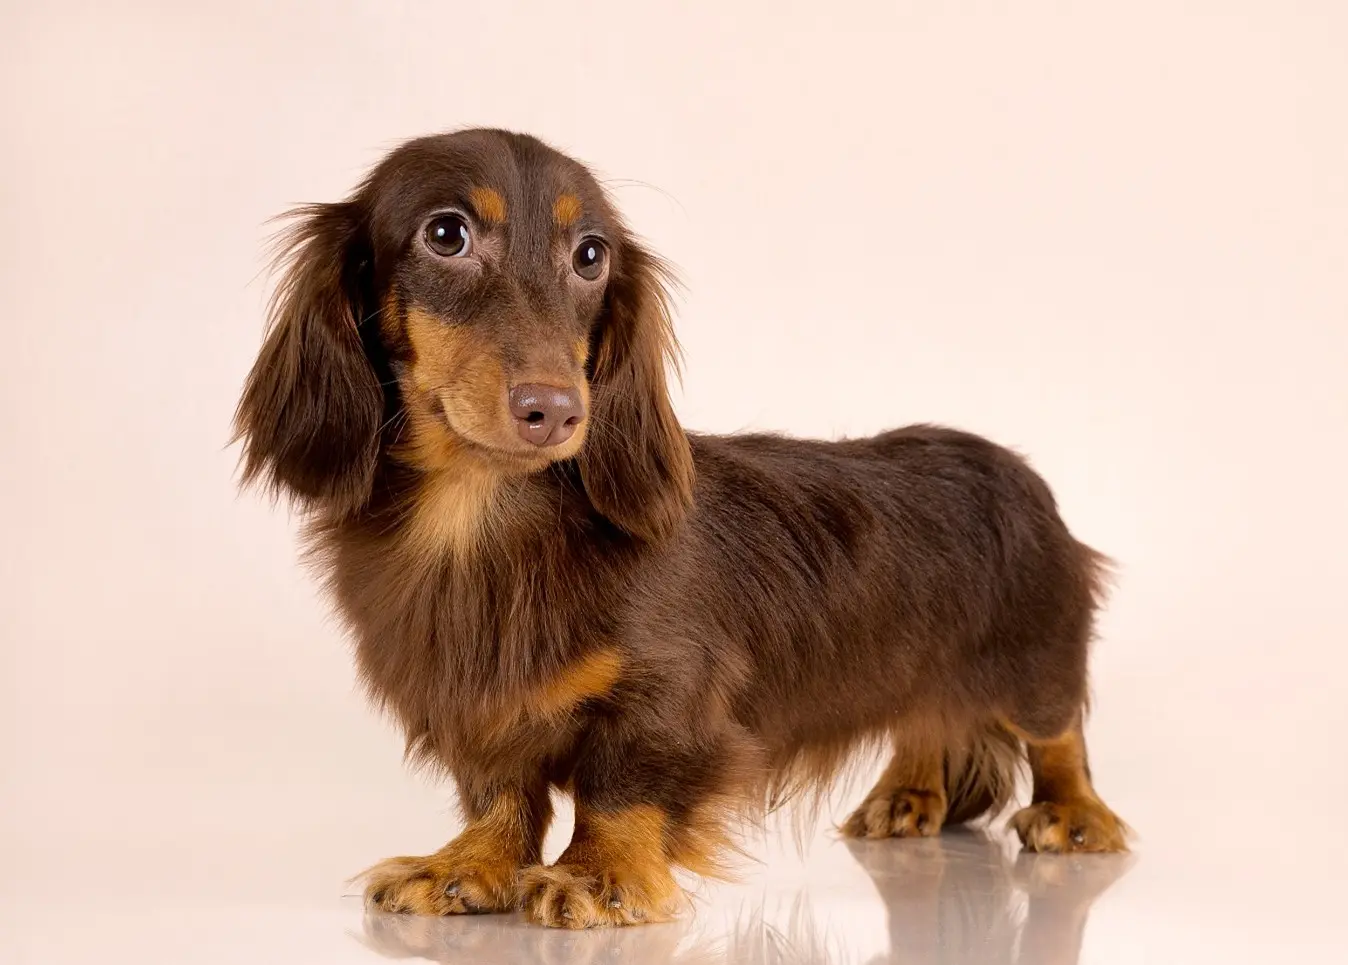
[(455, 512), (464, 511)]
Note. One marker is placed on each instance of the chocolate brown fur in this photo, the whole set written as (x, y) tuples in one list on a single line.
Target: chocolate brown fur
[(674, 627)]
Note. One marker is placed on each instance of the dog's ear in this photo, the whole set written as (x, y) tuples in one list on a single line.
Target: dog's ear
[(311, 408), (636, 463)]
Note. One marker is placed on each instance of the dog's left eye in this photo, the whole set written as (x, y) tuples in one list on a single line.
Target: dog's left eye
[(588, 259), (447, 236)]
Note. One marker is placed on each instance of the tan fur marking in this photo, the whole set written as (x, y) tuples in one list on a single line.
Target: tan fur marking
[(439, 350), (457, 429), (488, 204), (592, 676), (614, 872), (1060, 768), (704, 844), (566, 210), (477, 871), (1066, 814), (909, 800), (454, 509), (460, 378), (582, 353), (458, 383)]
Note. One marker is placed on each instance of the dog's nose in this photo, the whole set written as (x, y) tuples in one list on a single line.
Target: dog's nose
[(545, 414)]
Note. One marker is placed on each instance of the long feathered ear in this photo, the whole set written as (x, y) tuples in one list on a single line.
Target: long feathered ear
[(311, 408), (636, 463)]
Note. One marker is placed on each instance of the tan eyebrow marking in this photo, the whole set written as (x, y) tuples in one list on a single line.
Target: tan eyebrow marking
[(566, 210), (488, 204)]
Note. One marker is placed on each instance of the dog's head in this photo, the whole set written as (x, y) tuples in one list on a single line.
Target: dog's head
[(476, 303)]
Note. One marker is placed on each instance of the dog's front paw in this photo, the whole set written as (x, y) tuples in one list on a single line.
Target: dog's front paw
[(577, 896), (901, 813), (1077, 826), (440, 884)]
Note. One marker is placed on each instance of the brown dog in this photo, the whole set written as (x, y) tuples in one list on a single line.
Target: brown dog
[(552, 585)]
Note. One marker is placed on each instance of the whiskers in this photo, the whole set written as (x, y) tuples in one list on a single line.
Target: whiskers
[(397, 423)]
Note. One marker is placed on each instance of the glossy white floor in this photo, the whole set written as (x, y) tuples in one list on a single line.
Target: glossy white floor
[(1211, 891)]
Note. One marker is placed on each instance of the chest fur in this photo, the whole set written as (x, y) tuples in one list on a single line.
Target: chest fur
[(475, 654)]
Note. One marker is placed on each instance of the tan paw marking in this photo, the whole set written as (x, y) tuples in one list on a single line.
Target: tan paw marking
[(439, 885), (575, 896), (1079, 826), (902, 813)]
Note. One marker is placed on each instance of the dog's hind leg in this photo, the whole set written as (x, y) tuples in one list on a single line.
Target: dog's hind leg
[(1065, 812), (909, 800)]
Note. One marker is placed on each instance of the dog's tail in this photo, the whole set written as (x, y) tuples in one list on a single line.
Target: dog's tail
[(980, 777)]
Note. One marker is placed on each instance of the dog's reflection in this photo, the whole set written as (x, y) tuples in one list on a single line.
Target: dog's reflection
[(954, 899), (502, 939), (960, 898)]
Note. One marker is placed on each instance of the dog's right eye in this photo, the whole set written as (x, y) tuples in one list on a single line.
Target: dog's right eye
[(447, 235)]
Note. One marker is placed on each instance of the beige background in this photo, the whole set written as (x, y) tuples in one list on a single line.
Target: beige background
[(1113, 235)]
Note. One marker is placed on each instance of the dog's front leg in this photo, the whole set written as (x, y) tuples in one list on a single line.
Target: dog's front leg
[(648, 797), (479, 870)]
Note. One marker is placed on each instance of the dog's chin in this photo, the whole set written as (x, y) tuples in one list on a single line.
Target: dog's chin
[(511, 455), (522, 462)]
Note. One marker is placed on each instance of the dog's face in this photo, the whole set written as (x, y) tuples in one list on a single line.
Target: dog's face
[(477, 302), (498, 256)]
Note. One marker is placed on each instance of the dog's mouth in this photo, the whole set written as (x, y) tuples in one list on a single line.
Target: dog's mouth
[(517, 441)]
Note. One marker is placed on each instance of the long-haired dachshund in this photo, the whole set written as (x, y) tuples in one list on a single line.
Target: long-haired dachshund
[(551, 584)]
